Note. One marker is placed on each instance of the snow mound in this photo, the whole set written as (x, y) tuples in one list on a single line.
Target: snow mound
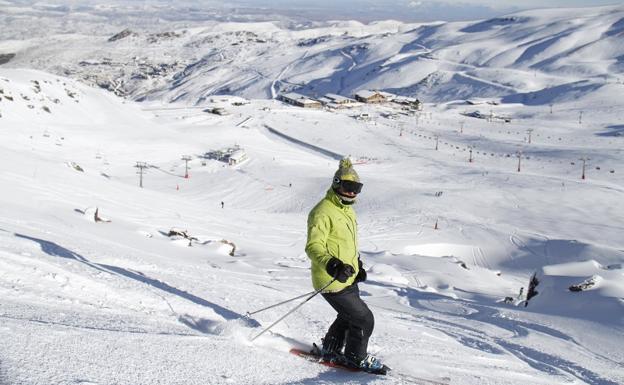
[(586, 290), (386, 273), (441, 250)]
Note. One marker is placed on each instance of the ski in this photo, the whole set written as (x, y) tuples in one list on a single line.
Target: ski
[(314, 356)]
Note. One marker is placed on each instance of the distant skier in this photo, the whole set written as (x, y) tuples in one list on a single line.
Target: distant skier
[(332, 249), (222, 204)]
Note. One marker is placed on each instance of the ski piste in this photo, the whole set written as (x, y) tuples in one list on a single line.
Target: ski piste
[(312, 355)]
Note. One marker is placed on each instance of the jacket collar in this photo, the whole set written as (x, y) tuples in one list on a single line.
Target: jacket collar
[(335, 199)]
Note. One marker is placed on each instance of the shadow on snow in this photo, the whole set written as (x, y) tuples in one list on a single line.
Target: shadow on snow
[(615, 130), (56, 250)]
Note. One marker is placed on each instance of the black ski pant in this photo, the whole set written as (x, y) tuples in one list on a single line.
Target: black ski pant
[(353, 325)]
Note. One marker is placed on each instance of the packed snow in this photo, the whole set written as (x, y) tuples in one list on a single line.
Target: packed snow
[(106, 282)]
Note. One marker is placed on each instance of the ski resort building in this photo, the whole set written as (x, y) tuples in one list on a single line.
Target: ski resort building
[(338, 101), (237, 157), (232, 155), (299, 100), (407, 101), (366, 96)]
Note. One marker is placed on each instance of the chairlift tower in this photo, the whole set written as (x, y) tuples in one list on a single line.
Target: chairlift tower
[(186, 159), (141, 166), (584, 160)]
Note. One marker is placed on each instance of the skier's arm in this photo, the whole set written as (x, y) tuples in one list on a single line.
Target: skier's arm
[(316, 246)]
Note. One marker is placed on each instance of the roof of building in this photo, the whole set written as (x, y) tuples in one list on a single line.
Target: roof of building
[(238, 155), (405, 99), (368, 94), (299, 98), (339, 98)]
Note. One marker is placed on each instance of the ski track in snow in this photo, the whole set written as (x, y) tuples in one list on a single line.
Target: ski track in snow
[(282, 73), (475, 337), (344, 76)]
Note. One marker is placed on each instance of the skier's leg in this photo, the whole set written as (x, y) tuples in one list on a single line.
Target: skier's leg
[(335, 338), (352, 310)]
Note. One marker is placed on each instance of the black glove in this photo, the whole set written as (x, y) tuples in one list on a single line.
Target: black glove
[(337, 269), (361, 275)]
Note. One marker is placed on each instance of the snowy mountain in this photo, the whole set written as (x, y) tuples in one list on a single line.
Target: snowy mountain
[(539, 57), (106, 282)]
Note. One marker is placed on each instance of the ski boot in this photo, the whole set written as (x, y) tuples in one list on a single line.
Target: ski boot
[(368, 364), (327, 355)]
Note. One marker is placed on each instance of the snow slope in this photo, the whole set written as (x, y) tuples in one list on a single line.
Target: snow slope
[(458, 211), (122, 302)]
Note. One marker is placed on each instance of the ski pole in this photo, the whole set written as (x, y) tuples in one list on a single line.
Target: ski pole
[(293, 309), (278, 304)]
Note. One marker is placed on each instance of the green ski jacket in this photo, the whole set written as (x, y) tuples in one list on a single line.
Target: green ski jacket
[(332, 232)]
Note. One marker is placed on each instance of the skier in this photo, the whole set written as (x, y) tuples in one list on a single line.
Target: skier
[(332, 249)]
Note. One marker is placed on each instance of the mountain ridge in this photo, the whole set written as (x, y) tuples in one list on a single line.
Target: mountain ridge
[(259, 60)]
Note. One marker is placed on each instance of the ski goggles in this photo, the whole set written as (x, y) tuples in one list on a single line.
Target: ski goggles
[(351, 186)]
